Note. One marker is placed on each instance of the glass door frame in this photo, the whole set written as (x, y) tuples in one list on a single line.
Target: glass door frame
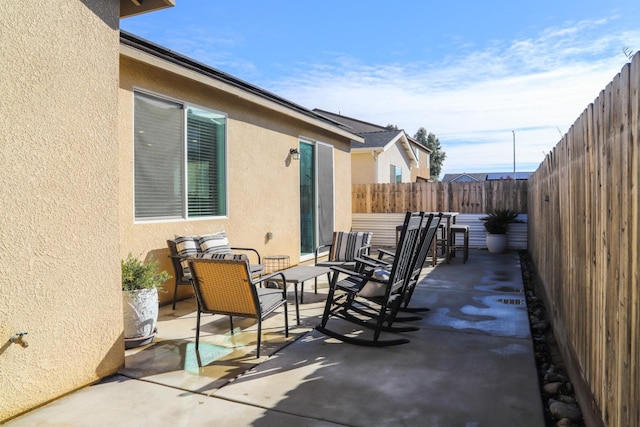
[(321, 234)]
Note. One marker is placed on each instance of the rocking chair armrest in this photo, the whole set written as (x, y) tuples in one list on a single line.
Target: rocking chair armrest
[(368, 261), (352, 273), (383, 252), (374, 262), (249, 249)]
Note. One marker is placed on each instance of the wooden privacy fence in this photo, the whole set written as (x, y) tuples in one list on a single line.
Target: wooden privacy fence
[(584, 240), (463, 197)]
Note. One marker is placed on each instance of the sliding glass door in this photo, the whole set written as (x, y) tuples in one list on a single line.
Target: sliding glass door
[(316, 196)]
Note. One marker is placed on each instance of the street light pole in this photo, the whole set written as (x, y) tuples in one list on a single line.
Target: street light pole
[(514, 154)]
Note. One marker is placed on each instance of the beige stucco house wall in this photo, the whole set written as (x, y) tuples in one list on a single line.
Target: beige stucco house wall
[(60, 250), (373, 166), (393, 155), (263, 180), (363, 168), (422, 172)]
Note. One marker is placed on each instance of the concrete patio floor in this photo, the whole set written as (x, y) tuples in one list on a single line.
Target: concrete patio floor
[(470, 364)]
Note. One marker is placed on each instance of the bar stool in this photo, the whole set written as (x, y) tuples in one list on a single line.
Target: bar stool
[(439, 243), (464, 230)]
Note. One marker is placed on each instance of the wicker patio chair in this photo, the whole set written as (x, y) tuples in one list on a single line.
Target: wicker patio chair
[(183, 247), (227, 287)]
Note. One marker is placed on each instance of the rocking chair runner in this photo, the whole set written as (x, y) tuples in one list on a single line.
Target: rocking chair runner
[(345, 297), (227, 287)]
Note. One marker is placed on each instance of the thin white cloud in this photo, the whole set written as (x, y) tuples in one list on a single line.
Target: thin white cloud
[(474, 100), (200, 44)]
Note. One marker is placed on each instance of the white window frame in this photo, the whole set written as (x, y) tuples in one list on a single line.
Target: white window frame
[(185, 196)]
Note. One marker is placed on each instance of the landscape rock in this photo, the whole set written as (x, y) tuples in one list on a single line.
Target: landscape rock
[(566, 399), (552, 377), (541, 326), (552, 388), (561, 410)]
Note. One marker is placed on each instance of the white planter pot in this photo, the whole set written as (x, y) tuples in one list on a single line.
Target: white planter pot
[(140, 315), (496, 243)]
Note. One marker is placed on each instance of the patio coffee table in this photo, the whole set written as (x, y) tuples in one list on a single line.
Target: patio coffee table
[(298, 275)]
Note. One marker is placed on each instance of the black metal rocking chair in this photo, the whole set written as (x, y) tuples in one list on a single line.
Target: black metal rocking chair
[(369, 297)]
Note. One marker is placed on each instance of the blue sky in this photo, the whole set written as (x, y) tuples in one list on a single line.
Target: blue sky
[(473, 73)]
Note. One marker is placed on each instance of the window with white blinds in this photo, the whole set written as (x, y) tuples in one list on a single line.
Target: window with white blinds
[(179, 160)]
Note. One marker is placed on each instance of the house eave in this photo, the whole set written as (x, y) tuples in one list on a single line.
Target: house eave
[(366, 150), (406, 146), (138, 7)]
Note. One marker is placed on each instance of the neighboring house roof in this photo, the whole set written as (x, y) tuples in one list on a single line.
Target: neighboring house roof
[(493, 176), (376, 137), (361, 127), (484, 176), (139, 44)]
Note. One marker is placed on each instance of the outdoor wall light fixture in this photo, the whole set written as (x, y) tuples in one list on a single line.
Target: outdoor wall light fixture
[(294, 153)]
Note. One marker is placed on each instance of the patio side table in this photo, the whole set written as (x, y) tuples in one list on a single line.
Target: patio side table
[(273, 263)]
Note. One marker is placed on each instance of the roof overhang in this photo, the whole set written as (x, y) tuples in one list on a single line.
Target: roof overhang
[(419, 144), (408, 149), (137, 7), (172, 64)]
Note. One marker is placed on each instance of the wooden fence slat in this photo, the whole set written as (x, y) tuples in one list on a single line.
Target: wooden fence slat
[(634, 236)]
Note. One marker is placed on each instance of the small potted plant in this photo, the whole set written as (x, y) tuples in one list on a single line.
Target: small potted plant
[(497, 224), (140, 284)]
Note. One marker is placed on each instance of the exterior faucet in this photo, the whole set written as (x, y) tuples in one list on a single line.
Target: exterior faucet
[(18, 339)]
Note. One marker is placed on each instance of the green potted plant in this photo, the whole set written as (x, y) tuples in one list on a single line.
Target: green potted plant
[(497, 224), (140, 284)]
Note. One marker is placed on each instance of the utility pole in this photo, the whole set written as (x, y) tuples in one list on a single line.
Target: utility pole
[(514, 154)]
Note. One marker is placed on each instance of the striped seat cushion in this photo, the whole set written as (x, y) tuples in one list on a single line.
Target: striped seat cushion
[(347, 245), (186, 246), (217, 243)]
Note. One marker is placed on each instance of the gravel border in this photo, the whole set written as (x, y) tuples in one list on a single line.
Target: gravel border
[(561, 407)]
